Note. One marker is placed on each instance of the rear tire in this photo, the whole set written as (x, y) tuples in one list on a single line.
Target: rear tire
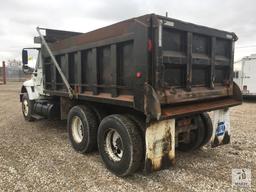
[(82, 129), (120, 145), (140, 122), (99, 112), (27, 107), (196, 137), (208, 128)]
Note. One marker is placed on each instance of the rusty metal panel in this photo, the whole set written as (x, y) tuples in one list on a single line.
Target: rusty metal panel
[(160, 145), (93, 36), (170, 111), (172, 96), (125, 63), (104, 65), (199, 107), (194, 57)]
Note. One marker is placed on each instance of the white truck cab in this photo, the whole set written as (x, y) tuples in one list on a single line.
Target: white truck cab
[(34, 86)]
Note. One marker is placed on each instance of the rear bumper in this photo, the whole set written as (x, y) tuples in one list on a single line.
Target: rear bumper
[(192, 108), (195, 94), (170, 111)]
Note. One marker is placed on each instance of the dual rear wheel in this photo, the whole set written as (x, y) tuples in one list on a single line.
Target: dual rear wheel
[(82, 128), (119, 140)]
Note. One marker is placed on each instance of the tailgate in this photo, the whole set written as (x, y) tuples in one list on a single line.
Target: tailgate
[(195, 63)]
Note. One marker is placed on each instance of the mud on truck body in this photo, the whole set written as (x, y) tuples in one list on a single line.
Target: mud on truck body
[(136, 90)]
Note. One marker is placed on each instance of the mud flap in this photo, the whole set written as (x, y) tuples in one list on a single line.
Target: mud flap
[(160, 145), (221, 128)]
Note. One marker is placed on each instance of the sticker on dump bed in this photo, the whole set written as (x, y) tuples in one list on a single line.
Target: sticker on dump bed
[(169, 23), (221, 128)]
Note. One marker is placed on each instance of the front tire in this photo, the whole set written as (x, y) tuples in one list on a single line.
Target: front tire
[(82, 129), (27, 107), (120, 145)]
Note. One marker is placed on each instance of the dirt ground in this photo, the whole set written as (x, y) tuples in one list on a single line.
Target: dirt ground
[(37, 156)]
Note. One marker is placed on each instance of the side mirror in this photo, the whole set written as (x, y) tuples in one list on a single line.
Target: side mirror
[(25, 69), (24, 57)]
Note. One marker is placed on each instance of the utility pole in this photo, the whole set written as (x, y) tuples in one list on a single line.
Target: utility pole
[(4, 73)]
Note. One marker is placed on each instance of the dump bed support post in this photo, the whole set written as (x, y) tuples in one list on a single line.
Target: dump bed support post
[(189, 62), (212, 62), (54, 77), (95, 71), (78, 59), (232, 63), (66, 66), (160, 145), (114, 69)]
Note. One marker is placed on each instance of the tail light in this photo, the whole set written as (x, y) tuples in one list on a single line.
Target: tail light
[(150, 45), (138, 74)]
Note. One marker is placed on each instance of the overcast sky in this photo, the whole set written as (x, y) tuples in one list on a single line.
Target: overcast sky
[(19, 18)]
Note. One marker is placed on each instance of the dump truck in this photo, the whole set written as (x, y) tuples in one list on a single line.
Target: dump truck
[(136, 91)]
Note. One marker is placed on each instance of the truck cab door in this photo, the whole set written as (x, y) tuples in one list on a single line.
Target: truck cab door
[(32, 64)]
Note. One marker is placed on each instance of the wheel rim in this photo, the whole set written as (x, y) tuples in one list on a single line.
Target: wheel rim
[(25, 107), (77, 129), (114, 145)]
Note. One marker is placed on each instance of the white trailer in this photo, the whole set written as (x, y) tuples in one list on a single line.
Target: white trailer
[(245, 75)]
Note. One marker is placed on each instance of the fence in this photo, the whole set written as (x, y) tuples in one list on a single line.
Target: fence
[(15, 73), (12, 73), (3, 74)]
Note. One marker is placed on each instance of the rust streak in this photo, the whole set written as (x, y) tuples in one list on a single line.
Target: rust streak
[(128, 98)]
